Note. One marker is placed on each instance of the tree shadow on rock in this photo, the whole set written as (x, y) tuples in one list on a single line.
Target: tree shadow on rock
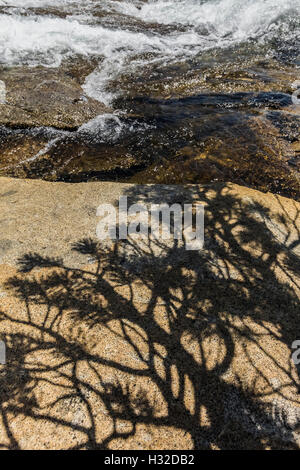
[(152, 346)]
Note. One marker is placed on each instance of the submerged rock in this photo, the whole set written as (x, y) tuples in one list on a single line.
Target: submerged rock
[(233, 121), (46, 97), (228, 71), (259, 150), (247, 150)]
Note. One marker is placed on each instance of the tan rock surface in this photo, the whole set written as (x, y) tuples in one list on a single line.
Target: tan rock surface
[(139, 348)]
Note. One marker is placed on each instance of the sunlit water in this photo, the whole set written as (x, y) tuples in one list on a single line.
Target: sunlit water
[(106, 29), (138, 41)]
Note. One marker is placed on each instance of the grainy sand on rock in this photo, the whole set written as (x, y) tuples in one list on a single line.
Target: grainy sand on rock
[(140, 347)]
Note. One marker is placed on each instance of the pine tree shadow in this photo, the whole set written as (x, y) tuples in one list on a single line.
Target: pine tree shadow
[(152, 338)]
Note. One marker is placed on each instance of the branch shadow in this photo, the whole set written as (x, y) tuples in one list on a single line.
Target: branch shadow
[(152, 345)]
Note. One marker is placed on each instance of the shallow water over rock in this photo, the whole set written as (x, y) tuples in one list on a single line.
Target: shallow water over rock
[(151, 91)]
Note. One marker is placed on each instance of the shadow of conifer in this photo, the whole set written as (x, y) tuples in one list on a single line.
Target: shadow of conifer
[(158, 338)]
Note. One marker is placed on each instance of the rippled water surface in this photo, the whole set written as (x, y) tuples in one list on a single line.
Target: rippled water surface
[(192, 88)]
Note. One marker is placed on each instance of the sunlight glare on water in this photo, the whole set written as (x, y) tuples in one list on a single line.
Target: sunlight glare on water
[(48, 39)]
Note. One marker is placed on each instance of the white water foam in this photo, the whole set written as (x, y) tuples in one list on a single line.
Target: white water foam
[(238, 17), (48, 40), (2, 92)]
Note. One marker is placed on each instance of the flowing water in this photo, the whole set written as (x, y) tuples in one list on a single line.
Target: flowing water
[(192, 89)]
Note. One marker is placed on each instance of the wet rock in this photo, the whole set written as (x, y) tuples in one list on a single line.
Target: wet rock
[(17, 149), (46, 97), (250, 150), (69, 156), (287, 123), (76, 162), (243, 130), (49, 11), (213, 74), (247, 151)]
